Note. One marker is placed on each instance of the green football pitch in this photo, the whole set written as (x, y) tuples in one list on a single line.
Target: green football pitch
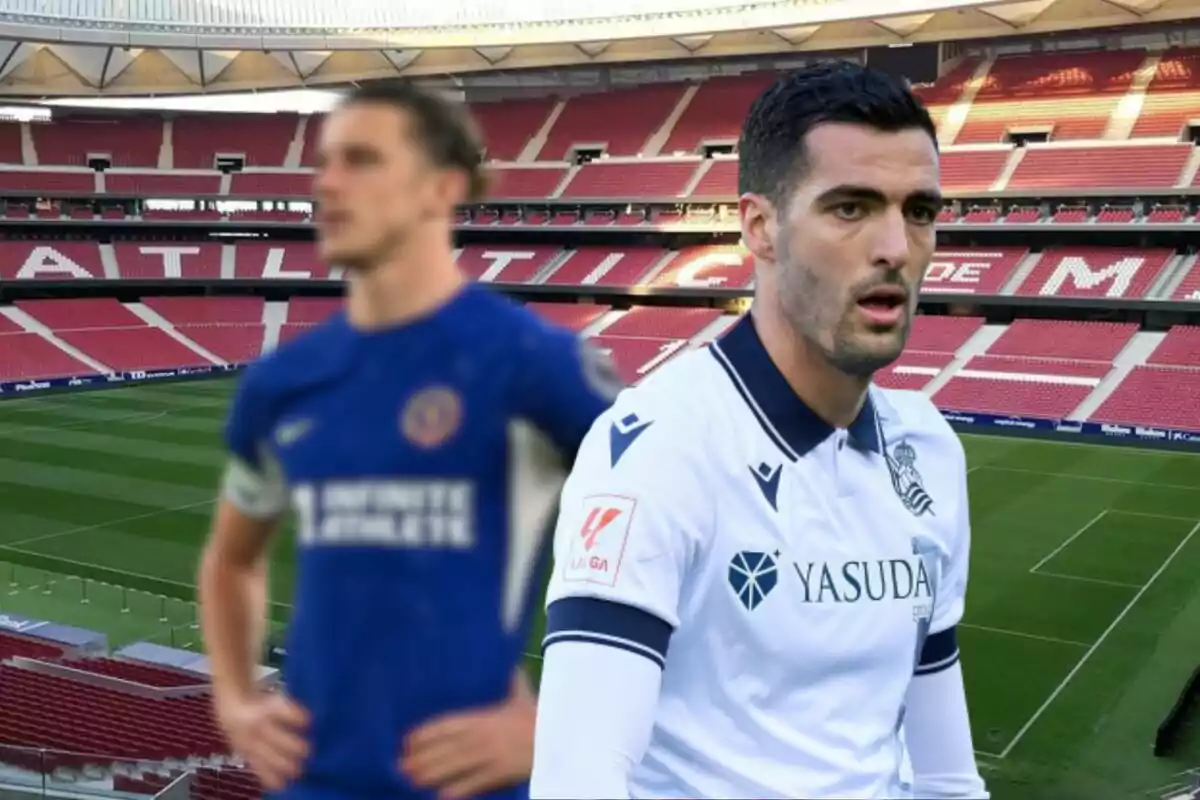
[(1083, 615)]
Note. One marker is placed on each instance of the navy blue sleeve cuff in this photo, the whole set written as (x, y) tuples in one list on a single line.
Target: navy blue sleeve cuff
[(604, 622), (939, 652)]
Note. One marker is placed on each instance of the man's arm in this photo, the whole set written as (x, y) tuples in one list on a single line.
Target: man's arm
[(632, 518), (267, 730), (233, 568), (937, 724)]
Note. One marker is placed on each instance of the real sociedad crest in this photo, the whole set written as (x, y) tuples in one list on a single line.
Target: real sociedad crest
[(907, 481), (431, 417)]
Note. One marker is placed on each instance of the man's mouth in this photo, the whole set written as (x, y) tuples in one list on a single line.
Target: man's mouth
[(884, 305)]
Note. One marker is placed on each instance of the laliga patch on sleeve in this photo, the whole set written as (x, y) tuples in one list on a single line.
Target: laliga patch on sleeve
[(596, 549)]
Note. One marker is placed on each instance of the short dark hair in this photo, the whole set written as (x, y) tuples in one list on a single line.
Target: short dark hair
[(444, 128), (771, 148)]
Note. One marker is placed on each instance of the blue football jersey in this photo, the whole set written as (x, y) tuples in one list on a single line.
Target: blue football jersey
[(423, 463)]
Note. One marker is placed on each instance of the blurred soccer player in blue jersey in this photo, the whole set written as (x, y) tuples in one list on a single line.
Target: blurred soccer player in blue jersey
[(421, 437)]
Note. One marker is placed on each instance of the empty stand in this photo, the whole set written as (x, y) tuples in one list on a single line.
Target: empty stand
[(972, 170), (168, 259), (136, 672), (606, 266), (126, 141), (49, 260), (126, 349), (716, 112), (208, 310), (1180, 348), (13, 645), (1119, 168), (653, 322), (941, 334), (1189, 288), (29, 356), (1070, 94), (312, 310), (56, 183), (618, 180), (1064, 339), (1095, 272), (76, 314), (636, 358), (271, 184), (1047, 399), (575, 316), (505, 263), (971, 270), (719, 182), (708, 266), (261, 139), (1152, 395), (526, 182), (278, 260), (620, 121), (161, 184), (1172, 99), (508, 125), (49, 711), (10, 143), (913, 370)]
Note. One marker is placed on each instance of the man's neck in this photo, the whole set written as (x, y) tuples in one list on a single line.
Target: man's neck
[(408, 286), (835, 396)]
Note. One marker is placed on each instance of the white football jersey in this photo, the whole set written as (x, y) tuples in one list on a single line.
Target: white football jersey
[(790, 578)]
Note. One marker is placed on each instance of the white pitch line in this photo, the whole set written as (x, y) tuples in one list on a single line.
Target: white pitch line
[(1150, 515), (1084, 579), (1022, 634), (149, 514), (1099, 478), (1070, 539), (1091, 650)]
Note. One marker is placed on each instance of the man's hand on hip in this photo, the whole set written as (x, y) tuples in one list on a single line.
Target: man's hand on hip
[(466, 753)]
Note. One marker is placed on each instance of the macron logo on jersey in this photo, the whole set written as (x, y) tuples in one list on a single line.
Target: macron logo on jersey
[(768, 481), (625, 432), (596, 551)]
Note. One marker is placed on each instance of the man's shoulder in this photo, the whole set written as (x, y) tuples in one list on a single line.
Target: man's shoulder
[(301, 358), (678, 400)]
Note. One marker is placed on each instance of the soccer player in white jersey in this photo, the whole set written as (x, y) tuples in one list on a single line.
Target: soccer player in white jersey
[(760, 557)]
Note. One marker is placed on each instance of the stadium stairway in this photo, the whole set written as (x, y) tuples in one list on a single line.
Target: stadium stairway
[(34, 326), (1129, 107), (275, 316), (156, 320), (1132, 356), (956, 114), (977, 345)]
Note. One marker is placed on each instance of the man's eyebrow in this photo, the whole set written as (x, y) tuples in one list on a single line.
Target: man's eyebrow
[(853, 192)]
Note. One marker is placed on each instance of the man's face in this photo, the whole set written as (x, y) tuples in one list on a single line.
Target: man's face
[(374, 185), (851, 247)]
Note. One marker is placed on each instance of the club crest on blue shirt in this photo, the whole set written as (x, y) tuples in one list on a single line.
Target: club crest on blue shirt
[(431, 416), (909, 486)]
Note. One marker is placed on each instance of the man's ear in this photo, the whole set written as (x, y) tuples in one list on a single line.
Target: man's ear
[(757, 216)]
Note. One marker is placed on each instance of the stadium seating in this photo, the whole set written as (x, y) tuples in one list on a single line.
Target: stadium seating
[(1022, 93), (135, 672), (61, 713)]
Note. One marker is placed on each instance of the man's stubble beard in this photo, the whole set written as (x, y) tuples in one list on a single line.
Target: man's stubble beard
[(820, 316)]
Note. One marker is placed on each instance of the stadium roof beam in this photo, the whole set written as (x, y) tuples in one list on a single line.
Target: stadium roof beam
[(42, 56)]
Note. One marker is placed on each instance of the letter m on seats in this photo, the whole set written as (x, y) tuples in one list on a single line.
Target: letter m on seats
[(1078, 277)]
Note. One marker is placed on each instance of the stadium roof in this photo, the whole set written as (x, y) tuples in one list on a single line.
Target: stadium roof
[(52, 48)]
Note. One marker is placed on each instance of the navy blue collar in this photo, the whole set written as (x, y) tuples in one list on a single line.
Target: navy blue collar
[(794, 427)]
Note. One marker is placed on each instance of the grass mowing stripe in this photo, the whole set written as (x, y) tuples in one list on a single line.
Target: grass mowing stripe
[(1092, 650), (68, 532), (153, 493)]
